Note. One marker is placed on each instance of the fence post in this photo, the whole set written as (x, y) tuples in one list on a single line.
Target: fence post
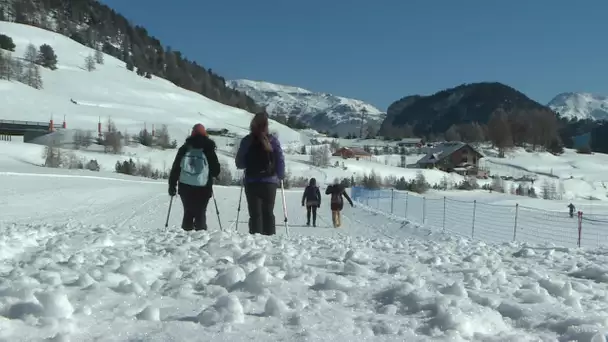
[(444, 213), (580, 227), (407, 194), (473, 228), (392, 199), (515, 226), (423, 209)]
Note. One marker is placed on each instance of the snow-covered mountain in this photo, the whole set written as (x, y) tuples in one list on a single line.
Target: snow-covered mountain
[(580, 106), (321, 111)]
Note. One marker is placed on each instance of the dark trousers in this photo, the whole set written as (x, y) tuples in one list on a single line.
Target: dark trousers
[(313, 209), (195, 200), (260, 203)]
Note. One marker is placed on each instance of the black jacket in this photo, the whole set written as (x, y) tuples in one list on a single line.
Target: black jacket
[(208, 146), (338, 190), (312, 193)]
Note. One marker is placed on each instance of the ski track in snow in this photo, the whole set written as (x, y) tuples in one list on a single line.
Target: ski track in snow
[(90, 260)]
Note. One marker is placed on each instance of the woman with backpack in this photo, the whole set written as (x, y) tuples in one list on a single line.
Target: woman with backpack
[(337, 191), (194, 168), (261, 156), (312, 199)]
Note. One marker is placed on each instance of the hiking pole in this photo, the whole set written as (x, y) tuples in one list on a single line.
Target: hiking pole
[(284, 208), (169, 212), (238, 210), (217, 211)]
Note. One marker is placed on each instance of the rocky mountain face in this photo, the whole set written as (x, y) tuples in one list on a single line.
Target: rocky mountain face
[(321, 111), (581, 106)]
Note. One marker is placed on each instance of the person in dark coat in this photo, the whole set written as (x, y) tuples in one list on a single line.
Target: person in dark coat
[(337, 191), (192, 173), (571, 209), (312, 199), (261, 156)]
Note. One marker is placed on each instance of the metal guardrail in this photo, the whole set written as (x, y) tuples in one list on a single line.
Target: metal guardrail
[(29, 123)]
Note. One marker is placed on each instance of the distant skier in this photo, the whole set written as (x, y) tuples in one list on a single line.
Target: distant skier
[(312, 199), (194, 167), (337, 191), (571, 209)]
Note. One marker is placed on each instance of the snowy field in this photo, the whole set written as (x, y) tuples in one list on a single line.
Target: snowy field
[(87, 258)]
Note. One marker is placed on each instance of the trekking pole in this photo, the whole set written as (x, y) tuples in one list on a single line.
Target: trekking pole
[(238, 210), (217, 211), (169, 212), (284, 208)]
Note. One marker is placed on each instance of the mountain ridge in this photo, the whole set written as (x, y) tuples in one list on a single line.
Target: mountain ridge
[(580, 106), (321, 111)]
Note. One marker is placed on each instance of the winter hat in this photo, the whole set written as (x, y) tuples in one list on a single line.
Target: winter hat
[(199, 129)]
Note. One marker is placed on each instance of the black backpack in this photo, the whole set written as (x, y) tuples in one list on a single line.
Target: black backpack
[(311, 193), (260, 163)]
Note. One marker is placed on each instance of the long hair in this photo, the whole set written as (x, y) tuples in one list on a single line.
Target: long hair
[(259, 129)]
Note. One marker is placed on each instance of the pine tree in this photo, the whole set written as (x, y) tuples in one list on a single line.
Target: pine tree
[(47, 57), (6, 42)]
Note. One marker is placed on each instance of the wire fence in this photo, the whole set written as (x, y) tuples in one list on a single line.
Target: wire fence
[(489, 222)]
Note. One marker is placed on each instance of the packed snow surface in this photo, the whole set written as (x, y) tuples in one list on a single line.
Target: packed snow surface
[(85, 257)]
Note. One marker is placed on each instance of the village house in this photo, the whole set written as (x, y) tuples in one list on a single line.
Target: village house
[(352, 152), (456, 157), (410, 142)]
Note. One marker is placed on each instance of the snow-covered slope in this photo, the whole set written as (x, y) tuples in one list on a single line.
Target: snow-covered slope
[(111, 91), (322, 111), (88, 259), (580, 106)]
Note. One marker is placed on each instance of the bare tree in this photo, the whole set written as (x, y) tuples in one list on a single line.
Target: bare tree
[(17, 70), (4, 66), (31, 54), (82, 138), (320, 156), (52, 153), (225, 176), (499, 131), (112, 138), (32, 76), (452, 134), (89, 63), (498, 184), (98, 57), (163, 139)]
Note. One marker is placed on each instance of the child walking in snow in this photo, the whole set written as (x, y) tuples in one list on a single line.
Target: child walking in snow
[(337, 191), (312, 199)]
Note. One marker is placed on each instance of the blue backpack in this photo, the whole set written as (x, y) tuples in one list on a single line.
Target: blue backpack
[(195, 168)]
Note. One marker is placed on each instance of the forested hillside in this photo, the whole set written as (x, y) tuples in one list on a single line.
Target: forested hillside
[(98, 26)]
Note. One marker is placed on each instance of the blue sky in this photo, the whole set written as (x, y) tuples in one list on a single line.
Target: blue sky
[(380, 51)]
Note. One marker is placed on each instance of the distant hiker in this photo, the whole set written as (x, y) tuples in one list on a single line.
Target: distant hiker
[(312, 199), (194, 167), (337, 191), (571, 209), (261, 156)]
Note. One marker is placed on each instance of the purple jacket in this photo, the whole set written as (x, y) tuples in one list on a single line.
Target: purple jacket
[(240, 160)]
